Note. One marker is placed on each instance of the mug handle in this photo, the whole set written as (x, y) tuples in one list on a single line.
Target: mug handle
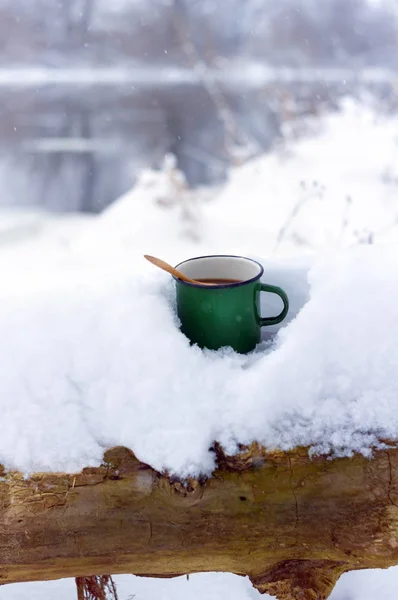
[(273, 289)]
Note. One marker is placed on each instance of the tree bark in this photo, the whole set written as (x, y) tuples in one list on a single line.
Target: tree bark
[(291, 523)]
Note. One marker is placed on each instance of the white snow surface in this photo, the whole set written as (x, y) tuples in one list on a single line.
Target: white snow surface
[(95, 359), (357, 585), (204, 586), (330, 189), (92, 355)]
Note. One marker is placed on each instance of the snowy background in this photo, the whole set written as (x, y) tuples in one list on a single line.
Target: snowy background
[(269, 130), (92, 91)]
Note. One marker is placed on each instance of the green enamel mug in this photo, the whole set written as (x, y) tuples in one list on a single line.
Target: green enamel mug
[(226, 313)]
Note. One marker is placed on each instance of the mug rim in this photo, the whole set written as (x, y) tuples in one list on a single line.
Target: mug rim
[(224, 285)]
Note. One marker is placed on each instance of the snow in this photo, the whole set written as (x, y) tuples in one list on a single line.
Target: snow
[(80, 382), (319, 192), (204, 586), (330, 382), (358, 585), (93, 356)]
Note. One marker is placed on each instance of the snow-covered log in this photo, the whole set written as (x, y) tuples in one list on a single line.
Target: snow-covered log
[(292, 523)]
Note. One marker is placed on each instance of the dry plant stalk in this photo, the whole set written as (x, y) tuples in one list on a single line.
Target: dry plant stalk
[(100, 587)]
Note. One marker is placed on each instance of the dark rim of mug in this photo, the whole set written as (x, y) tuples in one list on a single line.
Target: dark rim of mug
[(226, 285)]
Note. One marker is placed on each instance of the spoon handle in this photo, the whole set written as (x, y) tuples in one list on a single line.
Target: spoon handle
[(166, 267)]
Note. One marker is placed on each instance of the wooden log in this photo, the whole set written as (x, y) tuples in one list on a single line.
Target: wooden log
[(291, 523)]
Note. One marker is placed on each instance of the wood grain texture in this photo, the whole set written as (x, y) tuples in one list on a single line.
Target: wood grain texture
[(292, 523)]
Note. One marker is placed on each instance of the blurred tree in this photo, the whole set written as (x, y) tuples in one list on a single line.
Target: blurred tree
[(330, 32), (206, 124)]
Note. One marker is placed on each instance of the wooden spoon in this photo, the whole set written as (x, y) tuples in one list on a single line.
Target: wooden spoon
[(166, 267)]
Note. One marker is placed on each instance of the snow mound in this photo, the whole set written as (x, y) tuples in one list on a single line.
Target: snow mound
[(324, 191), (318, 192), (92, 355), (96, 359)]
